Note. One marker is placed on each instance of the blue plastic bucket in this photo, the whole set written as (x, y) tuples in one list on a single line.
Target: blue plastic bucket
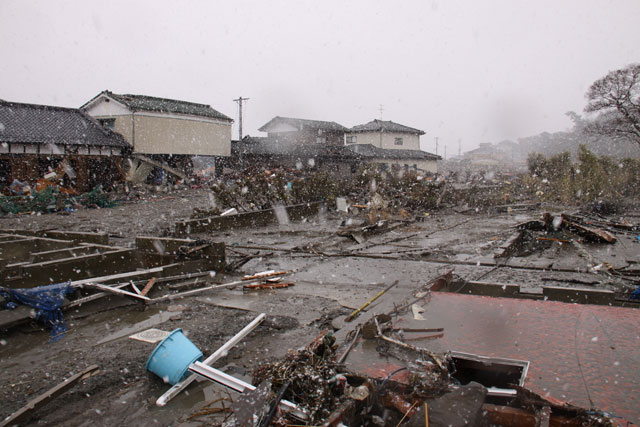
[(171, 358)]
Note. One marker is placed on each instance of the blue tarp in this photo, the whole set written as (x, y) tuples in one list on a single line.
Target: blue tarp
[(47, 301)]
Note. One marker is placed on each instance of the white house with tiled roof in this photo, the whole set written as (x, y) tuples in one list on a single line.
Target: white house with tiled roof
[(385, 134), (391, 145), (163, 126)]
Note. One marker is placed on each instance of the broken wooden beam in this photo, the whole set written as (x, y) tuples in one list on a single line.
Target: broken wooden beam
[(204, 289), (350, 317), (160, 165), (23, 413), (120, 275), (264, 275), (593, 234), (117, 291), (512, 245), (267, 286), (148, 286)]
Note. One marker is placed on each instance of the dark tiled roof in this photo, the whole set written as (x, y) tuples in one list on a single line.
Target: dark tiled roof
[(43, 124), (164, 105), (368, 150), (385, 126), (269, 147), (304, 123), (263, 146)]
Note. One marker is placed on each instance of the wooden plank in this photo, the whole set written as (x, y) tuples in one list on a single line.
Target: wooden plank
[(203, 289), (160, 165), (39, 257), (78, 236), (135, 288), (511, 245), (148, 286), (23, 413), (122, 285), (120, 275), (267, 286), (117, 291), (594, 234)]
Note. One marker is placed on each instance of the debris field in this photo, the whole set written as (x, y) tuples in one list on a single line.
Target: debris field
[(348, 308)]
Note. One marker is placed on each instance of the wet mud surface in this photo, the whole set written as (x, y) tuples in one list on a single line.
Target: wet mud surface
[(332, 274)]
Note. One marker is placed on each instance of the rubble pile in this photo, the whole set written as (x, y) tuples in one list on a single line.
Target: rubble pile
[(52, 199), (312, 377), (387, 193), (255, 190)]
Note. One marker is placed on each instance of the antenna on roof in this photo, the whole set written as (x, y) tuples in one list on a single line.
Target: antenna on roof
[(381, 108)]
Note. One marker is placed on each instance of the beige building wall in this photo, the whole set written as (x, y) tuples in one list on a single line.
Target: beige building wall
[(387, 140), (165, 135), (162, 135), (124, 126), (366, 138)]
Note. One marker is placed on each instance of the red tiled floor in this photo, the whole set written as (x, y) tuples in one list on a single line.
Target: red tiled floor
[(578, 353)]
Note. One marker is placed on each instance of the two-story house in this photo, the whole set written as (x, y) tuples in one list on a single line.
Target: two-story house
[(160, 126), (391, 145), (292, 131)]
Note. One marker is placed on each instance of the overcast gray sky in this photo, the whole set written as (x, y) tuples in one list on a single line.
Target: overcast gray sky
[(479, 71)]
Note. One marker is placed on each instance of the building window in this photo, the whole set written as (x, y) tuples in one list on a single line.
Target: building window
[(351, 139), (321, 140), (107, 123), (397, 141)]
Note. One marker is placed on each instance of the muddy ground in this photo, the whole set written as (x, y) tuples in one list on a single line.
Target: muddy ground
[(333, 274)]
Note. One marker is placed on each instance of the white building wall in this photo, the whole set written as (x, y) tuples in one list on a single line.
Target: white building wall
[(387, 140)]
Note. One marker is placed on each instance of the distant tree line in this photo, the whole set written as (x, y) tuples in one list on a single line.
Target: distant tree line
[(590, 178)]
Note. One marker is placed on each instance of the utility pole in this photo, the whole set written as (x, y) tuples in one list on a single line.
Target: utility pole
[(459, 147), (381, 108), (445, 151), (436, 145), (239, 101)]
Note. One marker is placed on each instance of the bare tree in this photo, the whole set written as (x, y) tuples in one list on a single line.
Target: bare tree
[(616, 100)]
